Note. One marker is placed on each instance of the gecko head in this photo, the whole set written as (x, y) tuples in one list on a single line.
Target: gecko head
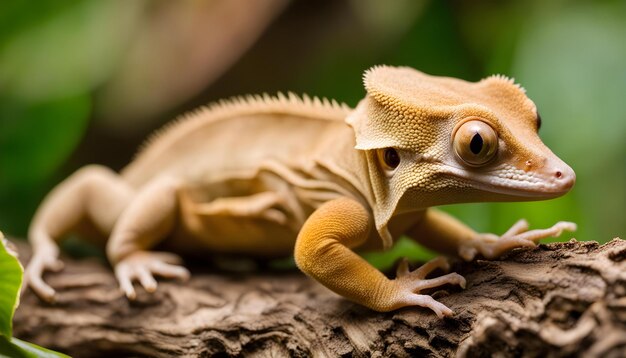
[(438, 140)]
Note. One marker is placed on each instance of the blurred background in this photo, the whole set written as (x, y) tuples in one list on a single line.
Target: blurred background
[(85, 81)]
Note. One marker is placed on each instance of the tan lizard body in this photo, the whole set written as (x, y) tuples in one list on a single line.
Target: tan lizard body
[(257, 176)]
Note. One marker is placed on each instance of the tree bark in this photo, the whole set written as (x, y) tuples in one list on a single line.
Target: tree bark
[(562, 299)]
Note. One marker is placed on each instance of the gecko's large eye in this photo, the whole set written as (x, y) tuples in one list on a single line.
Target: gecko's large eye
[(538, 121), (475, 142), (388, 158)]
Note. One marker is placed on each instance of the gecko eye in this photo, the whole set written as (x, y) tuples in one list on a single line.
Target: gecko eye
[(475, 142), (389, 158), (538, 121)]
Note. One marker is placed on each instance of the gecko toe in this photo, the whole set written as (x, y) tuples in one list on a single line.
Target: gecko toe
[(56, 266), (170, 271), (44, 291), (147, 281), (33, 278), (426, 301), (403, 268), (463, 282)]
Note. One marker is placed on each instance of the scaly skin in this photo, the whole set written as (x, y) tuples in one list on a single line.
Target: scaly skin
[(261, 175)]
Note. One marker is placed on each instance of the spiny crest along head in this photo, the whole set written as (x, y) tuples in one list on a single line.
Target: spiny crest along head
[(404, 98), (474, 141)]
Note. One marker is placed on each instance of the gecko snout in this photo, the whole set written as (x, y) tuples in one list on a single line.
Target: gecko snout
[(564, 177), (557, 176), (561, 176)]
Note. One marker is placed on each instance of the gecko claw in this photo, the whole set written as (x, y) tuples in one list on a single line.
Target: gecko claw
[(463, 282), (131, 295)]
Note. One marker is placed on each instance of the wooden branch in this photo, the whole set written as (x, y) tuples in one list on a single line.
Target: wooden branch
[(565, 299)]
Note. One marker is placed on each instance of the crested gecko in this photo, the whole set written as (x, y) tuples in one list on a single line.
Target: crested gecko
[(270, 176)]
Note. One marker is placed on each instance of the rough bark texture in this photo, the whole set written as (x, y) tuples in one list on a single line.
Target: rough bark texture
[(566, 299)]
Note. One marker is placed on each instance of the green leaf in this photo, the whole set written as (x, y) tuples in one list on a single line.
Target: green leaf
[(16, 348), (8, 349), (10, 283), (33, 350), (11, 273)]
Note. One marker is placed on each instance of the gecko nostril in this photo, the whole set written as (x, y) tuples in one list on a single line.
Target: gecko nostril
[(558, 174)]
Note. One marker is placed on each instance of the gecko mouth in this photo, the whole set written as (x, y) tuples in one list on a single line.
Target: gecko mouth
[(525, 189), (515, 182)]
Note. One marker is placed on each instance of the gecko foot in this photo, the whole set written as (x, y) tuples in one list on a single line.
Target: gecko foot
[(493, 246), (410, 283), (143, 266), (45, 258)]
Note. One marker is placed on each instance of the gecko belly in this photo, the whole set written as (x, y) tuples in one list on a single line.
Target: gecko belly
[(238, 221), (237, 235)]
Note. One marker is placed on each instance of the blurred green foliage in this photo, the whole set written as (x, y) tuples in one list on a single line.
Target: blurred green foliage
[(569, 55)]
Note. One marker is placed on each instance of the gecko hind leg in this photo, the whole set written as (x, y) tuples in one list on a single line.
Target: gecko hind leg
[(149, 218), (94, 195)]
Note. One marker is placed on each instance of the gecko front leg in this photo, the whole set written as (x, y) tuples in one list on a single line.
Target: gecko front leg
[(323, 251), (493, 246), (443, 233)]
